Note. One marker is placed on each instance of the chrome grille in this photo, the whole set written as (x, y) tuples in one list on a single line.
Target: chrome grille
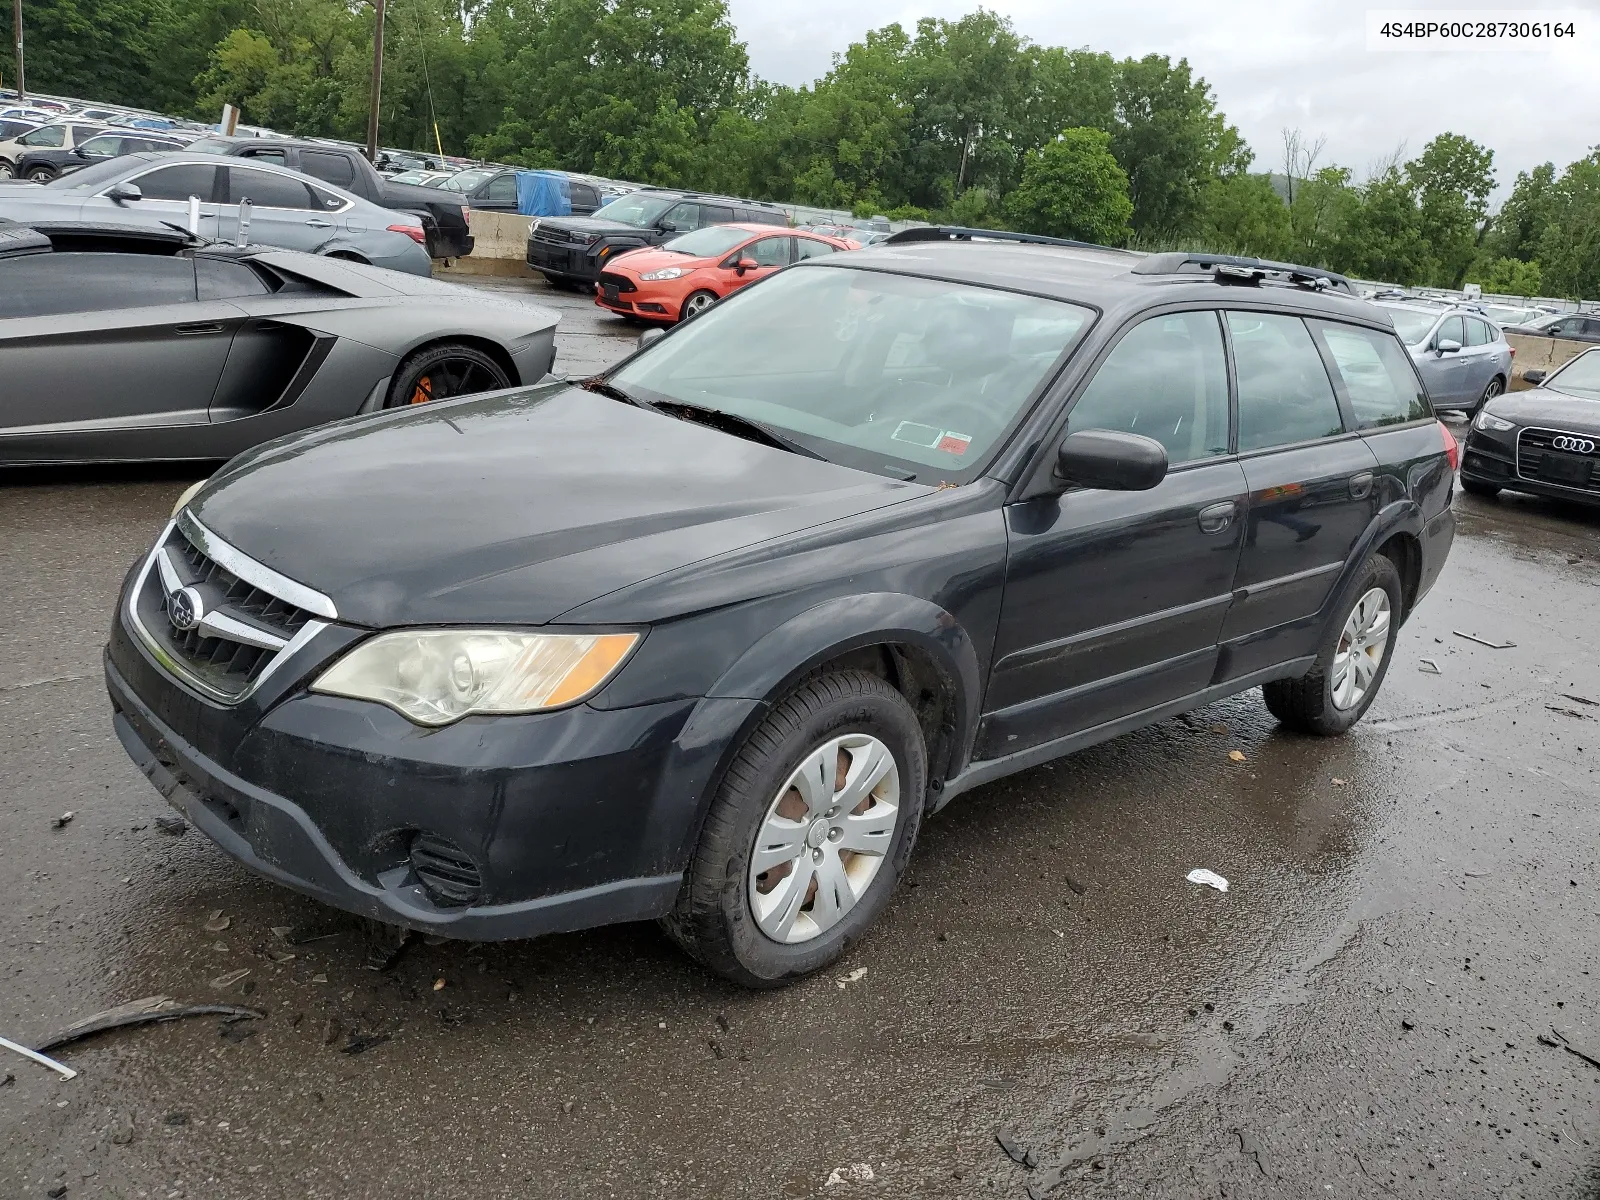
[(216, 619), (1540, 460)]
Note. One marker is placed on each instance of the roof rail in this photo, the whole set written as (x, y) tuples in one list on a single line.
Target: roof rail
[(960, 233), (1233, 268)]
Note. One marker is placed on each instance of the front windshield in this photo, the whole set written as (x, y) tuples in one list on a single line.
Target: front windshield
[(1412, 324), (708, 242), (635, 209), (1581, 375), (903, 376), (465, 181), (93, 176)]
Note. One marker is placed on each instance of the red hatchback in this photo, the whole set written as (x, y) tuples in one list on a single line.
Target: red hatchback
[(680, 278)]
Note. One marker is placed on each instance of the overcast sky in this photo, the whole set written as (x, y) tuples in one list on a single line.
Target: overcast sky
[(1270, 64)]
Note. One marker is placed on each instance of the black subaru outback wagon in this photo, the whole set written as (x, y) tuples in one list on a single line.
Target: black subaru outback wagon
[(705, 638)]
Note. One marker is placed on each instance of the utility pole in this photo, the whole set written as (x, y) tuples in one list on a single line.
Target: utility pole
[(22, 82), (377, 83)]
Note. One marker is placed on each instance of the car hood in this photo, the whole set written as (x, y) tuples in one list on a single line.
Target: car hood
[(590, 225), (638, 262), (1550, 407), (516, 507)]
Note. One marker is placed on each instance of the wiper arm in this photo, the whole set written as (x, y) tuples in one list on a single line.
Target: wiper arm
[(733, 423), (605, 388)]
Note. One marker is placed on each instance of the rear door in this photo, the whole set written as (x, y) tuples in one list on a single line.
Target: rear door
[(284, 210), (1480, 355), (97, 342), (1312, 495)]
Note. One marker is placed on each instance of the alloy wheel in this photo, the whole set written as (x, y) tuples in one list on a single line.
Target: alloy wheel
[(824, 838), (1362, 646), (6, 171), (698, 303), (1494, 388), (452, 377)]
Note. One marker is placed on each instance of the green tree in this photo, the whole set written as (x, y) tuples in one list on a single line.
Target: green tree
[(1518, 227), (1570, 244), (104, 49), (1506, 277), (1242, 213), (1073, 187), (1323, 209), (1452, 179), (1383, 234)]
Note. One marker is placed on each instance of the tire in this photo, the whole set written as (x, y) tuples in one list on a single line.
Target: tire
[(1490, 390), (849, 715), (447, 369), (7, 171), (1311, 703), (41, 175), (1473, 488), (696, 303)]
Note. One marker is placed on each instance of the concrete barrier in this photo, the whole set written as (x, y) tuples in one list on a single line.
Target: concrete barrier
[(1541, 354), (499, 245)]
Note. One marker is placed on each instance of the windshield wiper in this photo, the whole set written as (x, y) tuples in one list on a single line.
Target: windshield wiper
[(733, 423), (606, 388)]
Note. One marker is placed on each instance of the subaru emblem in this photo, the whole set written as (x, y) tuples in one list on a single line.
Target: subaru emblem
[(185, 609)]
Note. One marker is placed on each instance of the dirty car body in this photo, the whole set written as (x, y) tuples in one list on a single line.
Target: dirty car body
[(768, 514)]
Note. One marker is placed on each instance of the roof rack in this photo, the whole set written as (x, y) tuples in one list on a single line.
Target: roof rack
[(1233, 268), (960, 233)]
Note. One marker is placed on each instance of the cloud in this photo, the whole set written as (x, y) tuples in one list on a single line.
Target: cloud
[(1270, 64)]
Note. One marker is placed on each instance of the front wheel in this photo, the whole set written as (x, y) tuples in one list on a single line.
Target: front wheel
[(41, 175), (808, 834), (696, 303), (437, 372), (7, 171), (1344, 680)]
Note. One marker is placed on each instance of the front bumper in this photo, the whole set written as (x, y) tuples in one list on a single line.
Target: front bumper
[(1492, 459), (567, 262), (569, 820)]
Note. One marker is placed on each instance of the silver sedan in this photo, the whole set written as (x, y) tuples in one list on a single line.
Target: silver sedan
[(287, 209), (1464, 359)]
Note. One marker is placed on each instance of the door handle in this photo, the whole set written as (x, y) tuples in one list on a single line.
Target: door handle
[(319, 223), (197, 330), (1214, 518), (1360, 485)]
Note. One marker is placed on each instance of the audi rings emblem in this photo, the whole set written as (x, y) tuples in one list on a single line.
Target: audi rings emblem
[(1577, 445)]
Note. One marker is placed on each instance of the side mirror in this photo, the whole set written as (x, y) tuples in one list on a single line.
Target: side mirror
[(1447, 346), (1118, 462), (124, 193), (668, 227), (649, 338), (77, 152), (745, 264), (1535, 377)]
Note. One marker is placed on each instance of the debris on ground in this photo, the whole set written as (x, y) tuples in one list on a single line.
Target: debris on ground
[(1580, 700), (1569, 712), (235, 1028), (855, 976), (63, 820), (1428, 667), (385, 945), (1015, 1152), (1572, 1045), (1250, 1147), (1220, 729), (1077, 888), (1236, 755), (172, 826), (55, 1193), (8, 1079), (1407, 1024), (143, 1012), (122, 1132), (1472, 637), (1337, 782), (1207, 879), (359, 1043), (854, 1173), (1544, 1039), (175, 1118), (64, 1071), (216, 922), (438, 984), (223, 982)]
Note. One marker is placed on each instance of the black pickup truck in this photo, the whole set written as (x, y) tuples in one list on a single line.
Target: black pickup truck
[(443, 213)]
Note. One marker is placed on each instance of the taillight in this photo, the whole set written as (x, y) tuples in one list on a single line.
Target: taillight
[(1452, 448), (1513, 350), (466, 214), (414, 232)]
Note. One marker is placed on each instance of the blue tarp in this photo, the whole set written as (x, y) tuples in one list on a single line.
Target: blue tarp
[(543, 194)]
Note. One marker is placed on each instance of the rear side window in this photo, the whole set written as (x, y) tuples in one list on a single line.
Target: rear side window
[(220, 279), (764, 216), (178, 182), (331, 168), (276, 157), (582, 193), (1478, 334), (43, 285), (1285, 395), (46, 136), (264, 189), (1377, 375), (1166, 379), (768, 251), (810, 248)]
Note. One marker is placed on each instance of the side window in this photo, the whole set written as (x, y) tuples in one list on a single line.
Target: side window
[(502, 190), (178, 182), (765, 216), (1478, 334), (80, 132), (45, 137), (264, 189), (42, 285), (1166, 379), (331, 168), (769, 252), (1591, 328), (1377, 375), (220, 279), (1285, 395), (276, 157), (715, 214), (104, 146), (810, 248), (1453, 330), (582, 193), (684, 217)]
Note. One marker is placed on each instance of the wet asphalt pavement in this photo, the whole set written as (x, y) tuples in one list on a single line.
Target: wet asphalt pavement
[(1412, 907)]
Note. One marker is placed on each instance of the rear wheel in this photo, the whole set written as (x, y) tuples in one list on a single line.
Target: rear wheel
[(1345, 678), (7, 171), (808, 834), (41, 175), (449, 369), (696, 303)]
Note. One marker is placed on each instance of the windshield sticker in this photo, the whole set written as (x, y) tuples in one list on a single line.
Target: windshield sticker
[(954, 443), (926, 436)]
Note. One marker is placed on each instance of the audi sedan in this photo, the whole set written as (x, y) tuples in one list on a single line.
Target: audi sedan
[(1545, 440)]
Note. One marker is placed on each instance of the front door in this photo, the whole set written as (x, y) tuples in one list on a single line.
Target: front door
[(1312, 492), (1114, 600), (768, 253), (165, 194)]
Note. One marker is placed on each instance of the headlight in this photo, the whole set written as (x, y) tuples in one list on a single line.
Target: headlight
[(437, 676), (188, 495), (664, 273), (1486, 420)]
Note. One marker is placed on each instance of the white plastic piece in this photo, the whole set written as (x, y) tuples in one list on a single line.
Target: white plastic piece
[(1208, 878)]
